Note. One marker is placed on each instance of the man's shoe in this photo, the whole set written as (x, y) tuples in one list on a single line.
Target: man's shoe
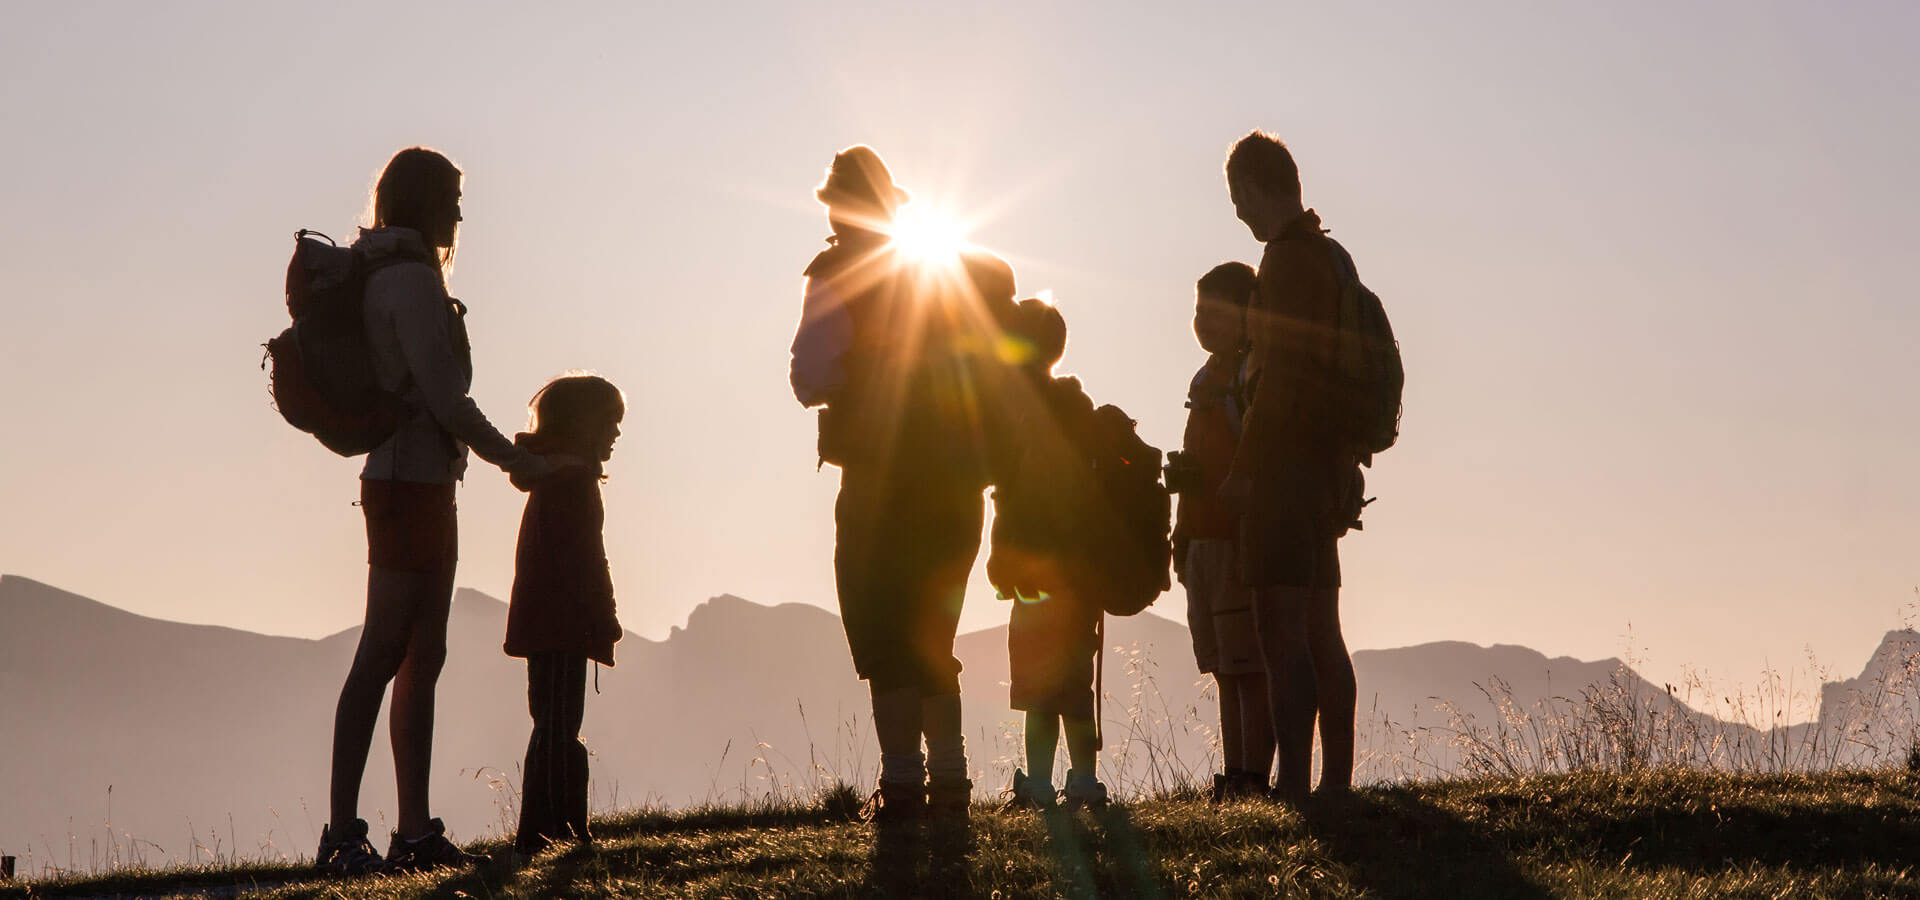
[(948, 799), (1085, 791), (347, 852), (896, 804), (429, 851), (1030, 793)]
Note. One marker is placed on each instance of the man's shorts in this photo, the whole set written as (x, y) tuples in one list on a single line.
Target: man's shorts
[(1288, 553), (1051, 646), (901, 558), (1289, 536), (411, 525), (1220, 611)]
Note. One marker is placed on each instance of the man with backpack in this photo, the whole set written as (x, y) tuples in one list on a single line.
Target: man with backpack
[(1324, 382), (876, 349)]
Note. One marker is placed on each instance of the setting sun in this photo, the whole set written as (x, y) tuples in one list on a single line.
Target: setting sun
[(929, 235)]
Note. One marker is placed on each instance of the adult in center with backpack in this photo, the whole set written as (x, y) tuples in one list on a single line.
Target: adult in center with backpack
[(417, 340), (877, 346), (1295, 476)]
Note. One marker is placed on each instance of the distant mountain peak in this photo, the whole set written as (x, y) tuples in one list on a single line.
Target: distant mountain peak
[(466, 597), (728, 613)]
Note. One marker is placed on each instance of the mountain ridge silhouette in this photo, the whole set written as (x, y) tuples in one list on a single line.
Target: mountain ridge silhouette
[(216, 726)]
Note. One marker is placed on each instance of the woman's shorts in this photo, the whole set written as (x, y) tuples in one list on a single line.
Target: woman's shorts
[(1220, 611), (1051, 646), (410, 525)]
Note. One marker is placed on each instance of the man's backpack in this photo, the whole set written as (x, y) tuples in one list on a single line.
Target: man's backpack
[(322, 378), (1366, 361)]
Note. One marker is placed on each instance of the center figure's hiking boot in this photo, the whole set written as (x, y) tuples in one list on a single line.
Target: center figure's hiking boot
[(1085, 791), (896, 804), (948, 799), (429, 851), (1029, 792), (347, 851)]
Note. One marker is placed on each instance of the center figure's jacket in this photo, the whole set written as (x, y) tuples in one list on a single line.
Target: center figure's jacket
[(893, 351)]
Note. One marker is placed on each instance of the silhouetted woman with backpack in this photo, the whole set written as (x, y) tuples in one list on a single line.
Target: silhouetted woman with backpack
[(418, 341)]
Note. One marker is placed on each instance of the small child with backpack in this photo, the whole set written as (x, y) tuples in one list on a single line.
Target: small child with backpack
[(1038, 561), (562, 612), (1206, 534)]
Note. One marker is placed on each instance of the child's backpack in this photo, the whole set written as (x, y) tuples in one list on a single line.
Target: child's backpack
[(1038, 538), (1084, 509), (322, 379), (1129, 527), (1367, 361)]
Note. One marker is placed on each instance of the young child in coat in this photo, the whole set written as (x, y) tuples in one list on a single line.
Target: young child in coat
[(1037, 562), (1206, 534), (562, 611)]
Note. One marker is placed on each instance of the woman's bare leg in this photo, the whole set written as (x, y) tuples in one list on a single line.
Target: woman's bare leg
[(383, 646), (411, 718)]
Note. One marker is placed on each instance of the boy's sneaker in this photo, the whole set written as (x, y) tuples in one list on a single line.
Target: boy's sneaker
[(347, 852), (1030, 793), (429, 851), (896, 804), (948, 799), (1085, 790)]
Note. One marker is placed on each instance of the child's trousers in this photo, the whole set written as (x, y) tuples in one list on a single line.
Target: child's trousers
[(553, 796)]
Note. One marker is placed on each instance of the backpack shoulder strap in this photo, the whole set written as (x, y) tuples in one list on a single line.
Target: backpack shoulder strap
[(1343, 264)]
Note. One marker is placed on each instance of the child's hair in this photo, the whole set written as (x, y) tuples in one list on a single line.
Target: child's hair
[(1043, 329), (990, 276), (568, 409), (1230, 281)]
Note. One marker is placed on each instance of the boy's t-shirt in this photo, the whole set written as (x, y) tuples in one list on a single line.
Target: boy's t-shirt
[(1214, 408)]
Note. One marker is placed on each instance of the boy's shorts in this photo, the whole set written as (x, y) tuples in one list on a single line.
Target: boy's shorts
[(1051, 645), (411, 525), (1220, 611)]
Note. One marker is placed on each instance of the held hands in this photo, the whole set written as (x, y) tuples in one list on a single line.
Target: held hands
[(537, 468)]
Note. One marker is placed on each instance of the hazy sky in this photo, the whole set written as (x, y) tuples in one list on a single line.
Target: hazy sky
[(1650, 264)]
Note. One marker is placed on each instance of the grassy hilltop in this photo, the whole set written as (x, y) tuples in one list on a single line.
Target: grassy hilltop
[(1657, 834)]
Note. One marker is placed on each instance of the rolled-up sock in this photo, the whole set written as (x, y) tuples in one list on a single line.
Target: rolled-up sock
[(946, 747), (896, 719), (903, 768), (947, 758)]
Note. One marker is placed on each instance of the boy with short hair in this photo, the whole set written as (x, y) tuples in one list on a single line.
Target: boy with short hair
[(1206, 534), (1036, 559)]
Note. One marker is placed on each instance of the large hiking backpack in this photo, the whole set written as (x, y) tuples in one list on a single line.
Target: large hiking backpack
[(1132, 552), (1367, 362), (322, 379), (911, 402), (1085, 510)]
